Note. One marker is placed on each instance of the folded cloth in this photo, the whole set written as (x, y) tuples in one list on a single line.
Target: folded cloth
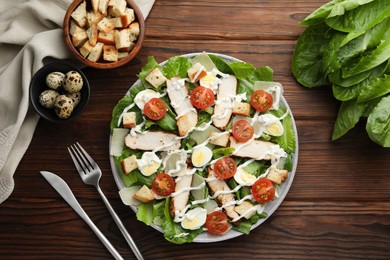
[(30, 34)]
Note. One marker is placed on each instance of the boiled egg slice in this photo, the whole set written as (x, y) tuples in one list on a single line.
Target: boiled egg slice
[(144, 96), (201, 155), (271, 125), (209, 81), (149, 163), (244, 178), (194, 218)]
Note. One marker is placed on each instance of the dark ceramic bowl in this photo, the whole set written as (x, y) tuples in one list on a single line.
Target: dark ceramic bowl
[(38, 85)]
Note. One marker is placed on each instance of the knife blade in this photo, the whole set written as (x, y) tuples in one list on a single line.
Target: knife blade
[(66, 193)]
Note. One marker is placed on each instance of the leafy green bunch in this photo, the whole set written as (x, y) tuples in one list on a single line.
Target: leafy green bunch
[(347, 46)]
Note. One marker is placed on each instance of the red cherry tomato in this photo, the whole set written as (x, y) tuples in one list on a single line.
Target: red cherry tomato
[(217, 222), (261, 100), (225, 168), (155, 109), (163, 185), (202, 97), (242, 131), (263, 190)]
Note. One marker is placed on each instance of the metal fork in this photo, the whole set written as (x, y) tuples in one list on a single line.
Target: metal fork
[(90, 173)]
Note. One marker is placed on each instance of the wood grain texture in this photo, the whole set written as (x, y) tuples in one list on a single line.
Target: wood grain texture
[(337, 208)]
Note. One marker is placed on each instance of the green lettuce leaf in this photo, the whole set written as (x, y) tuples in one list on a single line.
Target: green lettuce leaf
[(378, 123)]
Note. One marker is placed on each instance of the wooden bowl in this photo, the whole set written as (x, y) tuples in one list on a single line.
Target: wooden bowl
[(101, 64)]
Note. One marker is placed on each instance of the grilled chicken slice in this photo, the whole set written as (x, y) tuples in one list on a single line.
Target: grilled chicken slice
[(180, 201), (222, 199), (224, 104), (150, 140), (187, 117), (255, 149)]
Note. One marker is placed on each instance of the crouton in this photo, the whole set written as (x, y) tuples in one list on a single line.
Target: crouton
[(110, 53), (134, 31), (79, 38), (196, 72), (129, 164), (220, 139), (241, 108), (128, 17), (80, 14), (156, 78), (122, 54), (105, 25), (106, 38), (277, 175), (94, 18), (86, 49), (117, 7), (245, 209), (95, 5), (144, 194), (129, 120), (117, 21), (74, 28), (103, 5), (92, 34), (96, 52)]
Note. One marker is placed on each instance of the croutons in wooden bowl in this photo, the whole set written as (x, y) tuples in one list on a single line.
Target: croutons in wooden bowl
[(104, 34)]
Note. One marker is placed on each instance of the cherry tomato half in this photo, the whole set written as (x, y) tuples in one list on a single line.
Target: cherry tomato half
[(263, 190), (155, 109), (261, 100), (242, 131), (202, 97), (217, 223), (163, 185), (225, 168)]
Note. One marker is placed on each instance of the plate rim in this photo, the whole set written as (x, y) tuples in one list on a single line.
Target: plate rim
[(270, 207)]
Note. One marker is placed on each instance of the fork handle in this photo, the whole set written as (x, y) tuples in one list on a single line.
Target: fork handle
[(120, 225)]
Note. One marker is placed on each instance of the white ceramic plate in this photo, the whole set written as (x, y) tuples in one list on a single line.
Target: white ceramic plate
[(270, 207)]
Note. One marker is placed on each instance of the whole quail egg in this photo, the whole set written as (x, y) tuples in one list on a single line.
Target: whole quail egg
[(76, 97), (55, 80), (47, 98), (63, 106), (73, 82)]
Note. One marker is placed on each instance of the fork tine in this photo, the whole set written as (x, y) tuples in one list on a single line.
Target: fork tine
[(85, 156), (72, 153)]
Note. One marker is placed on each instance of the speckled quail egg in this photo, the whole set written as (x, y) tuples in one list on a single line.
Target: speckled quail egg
[(55, 80), (73, 82), (63, 106), (76, 97), (47, 98)]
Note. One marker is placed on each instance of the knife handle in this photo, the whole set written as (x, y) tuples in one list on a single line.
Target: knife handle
[(120, 225), (100, 235)]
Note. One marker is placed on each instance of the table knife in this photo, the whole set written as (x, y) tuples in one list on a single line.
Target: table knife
[(63, 189)]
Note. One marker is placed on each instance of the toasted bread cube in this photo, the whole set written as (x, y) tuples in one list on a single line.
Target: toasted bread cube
[(129, 119), (118, 7), (103, 5), (95, 5), (117, 21), (196, 72), (129, 164), (80, 14), (110, 53), (75, 28), (220, 139), (246, 209), (122, 40), (105, 25), (106, 38), (94, 18), (144, 194), (86, 49), (128, 17), (79, 38), (156, 78), (134, 31), (122, 54), (96, 52), (277, 175), (92, 33), (241, 108)]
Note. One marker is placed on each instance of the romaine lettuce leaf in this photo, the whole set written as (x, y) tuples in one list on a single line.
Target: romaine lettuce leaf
[(378, 123)]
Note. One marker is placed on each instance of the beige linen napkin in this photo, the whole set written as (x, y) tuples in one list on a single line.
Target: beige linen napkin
[(30, 33)]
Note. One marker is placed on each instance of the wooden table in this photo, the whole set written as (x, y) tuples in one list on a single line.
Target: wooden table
[(338, 206)]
